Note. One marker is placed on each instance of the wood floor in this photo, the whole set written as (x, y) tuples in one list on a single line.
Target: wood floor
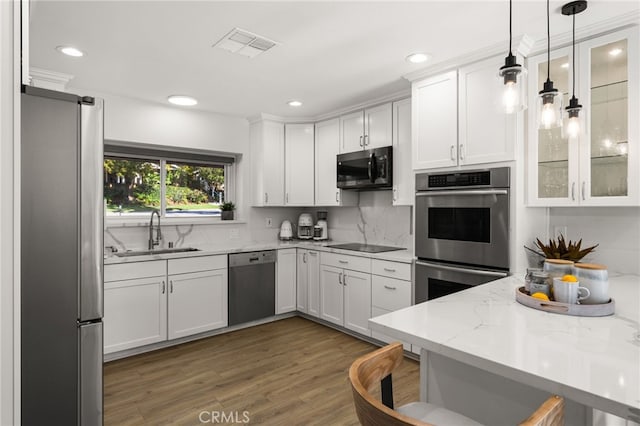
[(291, 371)]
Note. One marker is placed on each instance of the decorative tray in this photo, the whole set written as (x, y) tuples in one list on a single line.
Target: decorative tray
[(600, 310)]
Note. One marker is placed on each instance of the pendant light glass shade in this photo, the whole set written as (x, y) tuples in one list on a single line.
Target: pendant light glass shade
[(549, 99), (513, 76), (574, 124)]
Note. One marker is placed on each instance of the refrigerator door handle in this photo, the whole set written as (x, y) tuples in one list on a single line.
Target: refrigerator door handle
[(91, 386), (91, 211)]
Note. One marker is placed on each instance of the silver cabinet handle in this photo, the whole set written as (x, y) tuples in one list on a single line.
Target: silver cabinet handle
[(171, 286), (337, 193), (304, 257), (344, 279), (340, 277), (366, 140), (573, 191), (286, 197), (453, 157), (584, 190), (389, 269), (389, 287), (361, 142), (163, 287), (461, 152), (266, 197), (343, 261), (395, 194)]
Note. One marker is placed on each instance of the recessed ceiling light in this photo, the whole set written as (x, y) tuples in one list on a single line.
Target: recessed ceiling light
[(417, 58), (565, 65), (70, 51), (294, 103), (615, 52), (182, 100)]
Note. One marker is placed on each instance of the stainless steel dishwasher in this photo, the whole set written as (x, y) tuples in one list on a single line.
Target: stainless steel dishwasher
[(252, 286)]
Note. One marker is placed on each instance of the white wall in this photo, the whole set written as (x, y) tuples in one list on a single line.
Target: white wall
[(615, 229), (8, 87)]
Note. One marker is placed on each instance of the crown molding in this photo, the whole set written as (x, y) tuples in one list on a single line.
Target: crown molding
[(49, 79), (336, 113)]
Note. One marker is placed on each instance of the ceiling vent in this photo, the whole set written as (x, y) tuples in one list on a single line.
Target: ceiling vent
[(245, 43)]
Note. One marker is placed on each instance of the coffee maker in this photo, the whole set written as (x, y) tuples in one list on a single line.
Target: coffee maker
[(320, 231), (305, 226)]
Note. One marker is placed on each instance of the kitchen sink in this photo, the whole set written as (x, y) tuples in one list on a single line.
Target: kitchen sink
[(158, 251)]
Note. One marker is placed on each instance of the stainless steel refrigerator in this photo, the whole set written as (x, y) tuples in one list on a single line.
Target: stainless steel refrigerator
[(61, 258)]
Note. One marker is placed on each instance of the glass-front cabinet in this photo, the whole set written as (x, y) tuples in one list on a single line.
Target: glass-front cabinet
[(600, 166)]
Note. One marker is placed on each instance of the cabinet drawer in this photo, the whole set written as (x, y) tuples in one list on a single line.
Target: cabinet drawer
[(355, 263), (132, 271), (387, 268), (197, 264), (390, 293)]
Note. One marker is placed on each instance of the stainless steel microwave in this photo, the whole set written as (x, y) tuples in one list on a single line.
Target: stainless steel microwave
[(367, 169)]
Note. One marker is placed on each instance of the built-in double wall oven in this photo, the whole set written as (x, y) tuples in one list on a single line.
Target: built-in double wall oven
[(462, 230)]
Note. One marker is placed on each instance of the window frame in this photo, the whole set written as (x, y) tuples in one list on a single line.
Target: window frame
[(172, 155)]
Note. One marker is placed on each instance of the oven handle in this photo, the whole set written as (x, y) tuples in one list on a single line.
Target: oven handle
[(467, 271), (474, 192)]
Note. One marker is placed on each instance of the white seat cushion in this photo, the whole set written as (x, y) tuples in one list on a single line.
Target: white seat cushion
[(435, 415)]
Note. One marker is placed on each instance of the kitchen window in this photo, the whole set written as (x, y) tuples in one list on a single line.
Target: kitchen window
[(138, 180)]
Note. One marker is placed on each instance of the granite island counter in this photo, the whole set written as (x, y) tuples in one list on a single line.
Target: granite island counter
[(493, 359)]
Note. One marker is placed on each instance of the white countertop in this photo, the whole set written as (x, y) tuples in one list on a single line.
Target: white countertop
[(593, 361), (403, 255)]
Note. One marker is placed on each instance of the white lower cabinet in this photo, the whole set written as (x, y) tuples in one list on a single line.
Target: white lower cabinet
[(150, 302), (135, 313), (308, 282), (345, 294), (197, 302), (286, 281)]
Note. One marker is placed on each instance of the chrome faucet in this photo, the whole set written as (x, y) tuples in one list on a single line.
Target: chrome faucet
[(152, 242)]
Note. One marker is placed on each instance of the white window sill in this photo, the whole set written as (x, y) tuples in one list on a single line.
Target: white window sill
[(123, 222)]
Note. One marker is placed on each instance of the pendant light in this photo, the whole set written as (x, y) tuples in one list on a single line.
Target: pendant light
[(573, 110), (512, 75), (549, 99)]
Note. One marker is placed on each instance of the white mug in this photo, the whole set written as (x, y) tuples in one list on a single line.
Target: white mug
[(596, 279), (568, 291)]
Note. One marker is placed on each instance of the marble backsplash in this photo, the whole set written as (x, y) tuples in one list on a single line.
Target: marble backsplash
[(374, 221)]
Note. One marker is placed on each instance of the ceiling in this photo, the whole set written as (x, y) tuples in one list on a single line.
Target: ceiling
[(331, 54)]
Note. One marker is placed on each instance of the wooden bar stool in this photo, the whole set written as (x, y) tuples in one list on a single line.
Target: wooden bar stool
[(376, 367)]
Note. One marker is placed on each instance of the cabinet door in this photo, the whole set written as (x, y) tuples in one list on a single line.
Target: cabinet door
[(302, 283), (403, 177), (357, 301), (273, 163), (331, 295), (286, 281), (299, 164), (352, 132), (486, 133), (313, 277), (197, 302), (435, 121), (326, 149), (609, 81), (378, 126), (553, 165), (376, 312), (135, 313)]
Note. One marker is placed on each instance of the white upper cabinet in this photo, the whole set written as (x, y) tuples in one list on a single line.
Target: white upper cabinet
[(299, 164), (458, 120), (600, 166), (267, 157), (435, 121), (327, 144), (403, 177), (485, 133), (371, 128)]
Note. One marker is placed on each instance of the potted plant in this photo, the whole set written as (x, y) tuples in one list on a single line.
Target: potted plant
[(227, 211), (560, 249)]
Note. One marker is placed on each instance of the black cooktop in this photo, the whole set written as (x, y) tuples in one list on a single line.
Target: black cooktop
[(368, 248)]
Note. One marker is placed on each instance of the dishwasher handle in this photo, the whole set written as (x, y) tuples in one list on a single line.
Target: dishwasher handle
[(252, 258)]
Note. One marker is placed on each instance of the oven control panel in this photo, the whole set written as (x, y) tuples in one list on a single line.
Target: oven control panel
[(488, 178)]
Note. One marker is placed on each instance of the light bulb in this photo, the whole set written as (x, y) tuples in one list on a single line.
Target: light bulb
[(548, 115), (573, 127), (510, 97)]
